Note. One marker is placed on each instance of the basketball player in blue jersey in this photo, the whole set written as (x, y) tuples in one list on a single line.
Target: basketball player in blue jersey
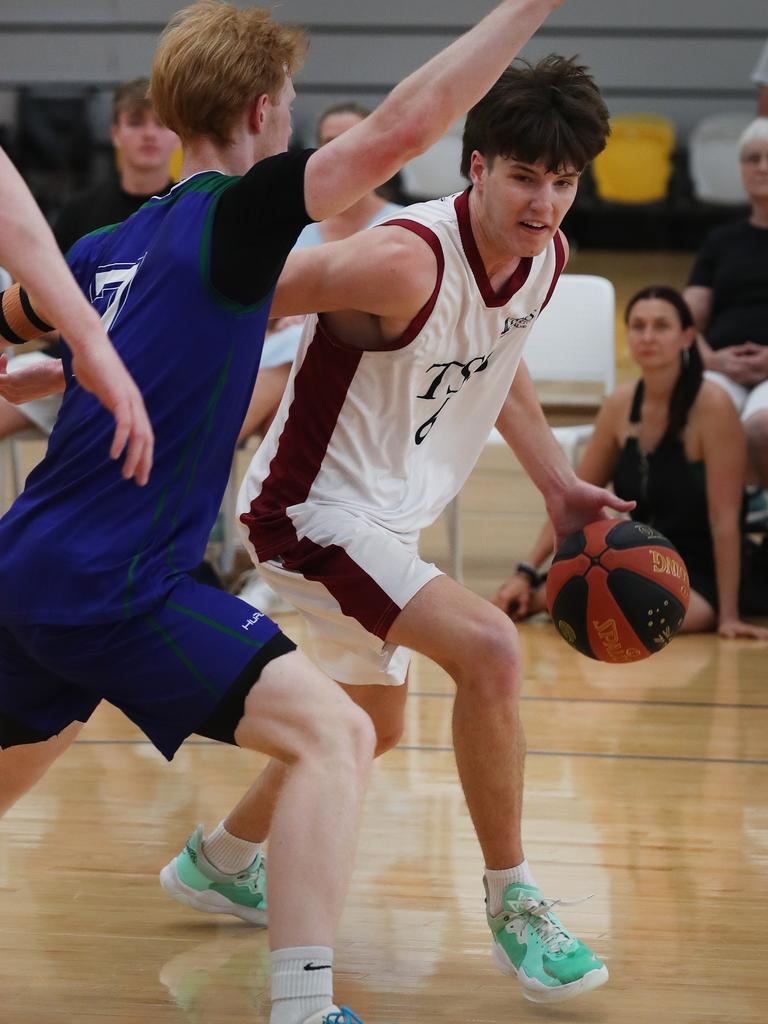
[(184, 286)]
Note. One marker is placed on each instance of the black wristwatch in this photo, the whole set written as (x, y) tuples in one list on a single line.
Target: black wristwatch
[(528, 570)]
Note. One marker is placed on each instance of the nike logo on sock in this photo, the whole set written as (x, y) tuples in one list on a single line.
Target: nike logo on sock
[(317, 967)]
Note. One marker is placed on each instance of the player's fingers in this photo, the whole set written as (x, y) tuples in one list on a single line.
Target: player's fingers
[(122, 431), (619, 505), (4, 362), (138, 459), (144, 463)]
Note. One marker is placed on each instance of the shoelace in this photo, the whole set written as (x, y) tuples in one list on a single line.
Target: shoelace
[(343, 1016), (552, 933)]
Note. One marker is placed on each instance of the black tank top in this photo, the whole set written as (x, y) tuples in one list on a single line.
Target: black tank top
[(670, 491)]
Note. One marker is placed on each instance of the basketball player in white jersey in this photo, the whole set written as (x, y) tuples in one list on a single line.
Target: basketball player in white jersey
[(414, 356)]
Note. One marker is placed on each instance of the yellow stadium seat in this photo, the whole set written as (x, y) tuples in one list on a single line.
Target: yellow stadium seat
[(175, 167), (636, 165)]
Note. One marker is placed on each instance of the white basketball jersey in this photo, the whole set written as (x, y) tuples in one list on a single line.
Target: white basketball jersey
[(391, 436)]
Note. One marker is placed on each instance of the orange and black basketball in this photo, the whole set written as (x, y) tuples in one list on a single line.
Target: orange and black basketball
[(617, 590)]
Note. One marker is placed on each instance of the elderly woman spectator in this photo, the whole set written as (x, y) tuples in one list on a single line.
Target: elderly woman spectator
[(728, 296)]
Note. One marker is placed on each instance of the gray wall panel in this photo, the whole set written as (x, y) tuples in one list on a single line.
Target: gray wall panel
[(654, 15), (679, 57)]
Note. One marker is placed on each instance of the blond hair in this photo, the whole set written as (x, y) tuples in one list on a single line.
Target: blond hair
[(213, 60)]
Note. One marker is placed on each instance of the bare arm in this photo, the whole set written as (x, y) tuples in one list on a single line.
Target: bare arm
[(597, 467), (571, 503), (725, 460), (37, 381), (730, 360), (392, 278), (29, 251), (421, 109)]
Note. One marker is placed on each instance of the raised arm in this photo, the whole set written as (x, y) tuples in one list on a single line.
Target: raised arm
[(28, 250), (420, 109)]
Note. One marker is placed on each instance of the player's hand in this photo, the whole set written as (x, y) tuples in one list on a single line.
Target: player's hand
[(99, 369), (514, 597), (734, 629), (582, 503), (31, 382)]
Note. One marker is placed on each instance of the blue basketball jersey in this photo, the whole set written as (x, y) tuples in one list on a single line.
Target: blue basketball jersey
[(81, 544)]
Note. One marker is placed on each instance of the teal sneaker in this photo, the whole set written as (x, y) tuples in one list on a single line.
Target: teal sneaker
[(531, 943), (192, 879), (334, 1015)]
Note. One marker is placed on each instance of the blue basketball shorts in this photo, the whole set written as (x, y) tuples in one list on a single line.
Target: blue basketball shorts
[(185, 667)]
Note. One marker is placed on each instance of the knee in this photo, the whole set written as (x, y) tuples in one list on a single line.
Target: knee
[(347, 733), (756, 428), (490, 662), (388, 735)]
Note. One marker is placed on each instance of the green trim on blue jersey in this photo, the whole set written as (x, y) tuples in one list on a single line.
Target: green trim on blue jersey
[(205, 426), (218, 626), (182, 657)]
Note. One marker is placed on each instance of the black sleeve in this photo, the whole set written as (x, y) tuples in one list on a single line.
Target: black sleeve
[(703, 272), (256, 224)]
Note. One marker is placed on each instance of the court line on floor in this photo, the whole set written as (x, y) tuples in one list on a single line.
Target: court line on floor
[(428, 749), (636, 702)]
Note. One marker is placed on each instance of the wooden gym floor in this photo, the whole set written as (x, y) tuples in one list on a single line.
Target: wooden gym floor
[(646, 786)]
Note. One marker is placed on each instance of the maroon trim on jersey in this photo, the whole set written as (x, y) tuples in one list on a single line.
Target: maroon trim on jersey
[(559, 264), (417, 324), (319, 391), (357, 593), (517, 280)]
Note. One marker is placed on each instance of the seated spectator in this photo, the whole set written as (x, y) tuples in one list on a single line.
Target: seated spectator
[(728, 296), (673, 443), (144, 148)]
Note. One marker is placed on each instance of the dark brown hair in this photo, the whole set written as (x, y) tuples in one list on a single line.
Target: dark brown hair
[(691, 367), (549, 112), (131, 98)]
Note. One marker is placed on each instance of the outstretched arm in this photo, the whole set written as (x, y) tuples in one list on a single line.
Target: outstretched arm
[(30, 253), (37, 381), (571, 503), (421, 109)]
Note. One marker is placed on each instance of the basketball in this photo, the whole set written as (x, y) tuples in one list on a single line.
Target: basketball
[(617, 590)]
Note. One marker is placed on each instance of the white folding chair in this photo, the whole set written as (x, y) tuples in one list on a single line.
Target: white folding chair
[(713, 158), (435, 172), (572, 342)]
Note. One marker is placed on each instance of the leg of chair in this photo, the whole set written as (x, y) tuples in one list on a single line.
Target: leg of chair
[(453, 513)]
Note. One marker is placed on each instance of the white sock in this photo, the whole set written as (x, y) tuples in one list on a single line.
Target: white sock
[(302, 983), (497, 881), (227, 853)]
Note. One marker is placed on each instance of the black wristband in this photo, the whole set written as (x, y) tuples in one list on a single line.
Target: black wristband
[(527, 570)]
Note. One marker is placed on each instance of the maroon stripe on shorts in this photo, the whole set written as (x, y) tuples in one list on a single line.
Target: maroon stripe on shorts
[(491, 298), (319, 390), (358, 595), (559, 264)]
